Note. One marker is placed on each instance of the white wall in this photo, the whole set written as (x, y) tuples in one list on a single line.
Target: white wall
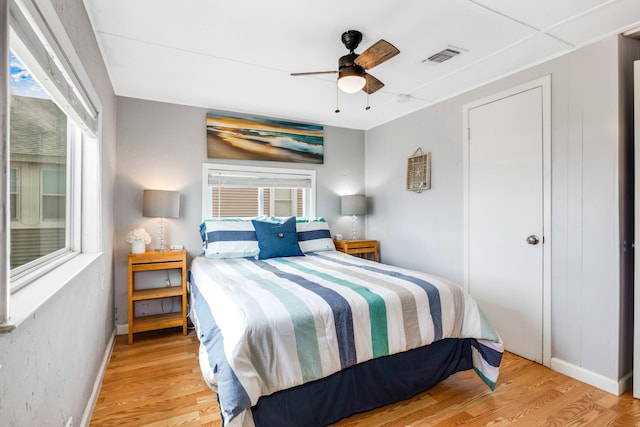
[(163, 146), (50, 362), (425, 231)]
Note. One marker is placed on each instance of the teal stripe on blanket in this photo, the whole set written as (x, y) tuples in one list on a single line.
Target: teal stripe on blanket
[(410, 320), (432, 291), (377, 306), (304, 326), (487, 331)]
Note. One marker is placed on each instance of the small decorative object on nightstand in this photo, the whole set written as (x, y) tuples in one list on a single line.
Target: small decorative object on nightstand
[(358, 247), (138, 238), (156, 260)]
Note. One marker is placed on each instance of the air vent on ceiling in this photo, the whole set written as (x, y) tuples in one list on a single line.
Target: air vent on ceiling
[(443, 55)]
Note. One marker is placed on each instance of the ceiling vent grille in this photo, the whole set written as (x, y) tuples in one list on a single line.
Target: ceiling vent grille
[(443, 55)]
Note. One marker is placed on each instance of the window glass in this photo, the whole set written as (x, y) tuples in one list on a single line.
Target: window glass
[(53, 182), (254, 201), (12, 181), (13, 194), (38, 142), (235, 202), (53, 195)]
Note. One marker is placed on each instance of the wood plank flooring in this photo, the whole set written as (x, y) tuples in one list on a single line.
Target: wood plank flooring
[(156, 382)]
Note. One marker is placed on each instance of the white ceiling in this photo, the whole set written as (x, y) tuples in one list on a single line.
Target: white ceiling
[(237, 55)]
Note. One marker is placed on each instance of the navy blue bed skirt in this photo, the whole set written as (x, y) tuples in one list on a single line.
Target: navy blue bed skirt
[(364, 386)]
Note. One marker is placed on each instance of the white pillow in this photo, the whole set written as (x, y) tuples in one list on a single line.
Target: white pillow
[(314, 235), (229, 238)]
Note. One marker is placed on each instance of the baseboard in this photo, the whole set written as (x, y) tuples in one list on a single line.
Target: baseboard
[(625, 383), (122, 329), (607, 384), (88, 411)]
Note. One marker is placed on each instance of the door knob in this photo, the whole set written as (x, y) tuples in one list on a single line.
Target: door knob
[(533, 239)]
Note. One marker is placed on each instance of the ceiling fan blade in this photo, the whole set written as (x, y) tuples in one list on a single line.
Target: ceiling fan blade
[(310, 73), (372, 84), (379, 52)]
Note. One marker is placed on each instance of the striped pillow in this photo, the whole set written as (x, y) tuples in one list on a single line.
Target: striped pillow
[(229, 238), (314, 235)]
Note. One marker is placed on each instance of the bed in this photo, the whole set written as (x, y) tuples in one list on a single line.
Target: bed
[(302, 335)]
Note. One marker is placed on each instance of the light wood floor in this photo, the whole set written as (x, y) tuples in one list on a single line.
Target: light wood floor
[(156, 381)]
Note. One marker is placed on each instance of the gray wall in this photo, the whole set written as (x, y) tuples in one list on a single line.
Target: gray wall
[(163, 146), (425, 231), (51, 361)]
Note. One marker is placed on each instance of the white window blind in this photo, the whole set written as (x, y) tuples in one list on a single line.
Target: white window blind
[(229, 179), (39, 50)]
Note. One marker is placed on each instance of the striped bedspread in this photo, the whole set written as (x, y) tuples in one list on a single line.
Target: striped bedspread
[(273, 324)]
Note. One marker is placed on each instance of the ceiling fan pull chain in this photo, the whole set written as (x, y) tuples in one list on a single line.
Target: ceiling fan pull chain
[(337, 98), (368, 107)]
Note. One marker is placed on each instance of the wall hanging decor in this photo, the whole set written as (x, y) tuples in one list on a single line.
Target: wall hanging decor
[(258, 138), (419, 171)]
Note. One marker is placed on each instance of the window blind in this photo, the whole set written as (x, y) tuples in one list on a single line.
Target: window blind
[(40, 52), (233, 179)]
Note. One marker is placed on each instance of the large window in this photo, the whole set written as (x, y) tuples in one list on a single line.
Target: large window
[(247, 191), (50, 115)]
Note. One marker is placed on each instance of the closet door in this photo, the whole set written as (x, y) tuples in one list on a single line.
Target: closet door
[(506, 200)]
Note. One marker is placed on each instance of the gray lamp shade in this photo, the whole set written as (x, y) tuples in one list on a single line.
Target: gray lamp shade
[(161, 203), (355, 204)]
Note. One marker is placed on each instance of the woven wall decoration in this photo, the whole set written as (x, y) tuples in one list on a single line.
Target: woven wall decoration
[(419, 171)]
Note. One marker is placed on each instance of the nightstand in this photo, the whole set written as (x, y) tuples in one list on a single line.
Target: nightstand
[(358, 247), (156, 260)]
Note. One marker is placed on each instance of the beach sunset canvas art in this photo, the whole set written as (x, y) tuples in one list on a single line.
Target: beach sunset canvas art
[(255, 138)]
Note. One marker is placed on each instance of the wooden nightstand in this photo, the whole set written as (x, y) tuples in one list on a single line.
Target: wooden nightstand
[(358, 247), (156, 260)]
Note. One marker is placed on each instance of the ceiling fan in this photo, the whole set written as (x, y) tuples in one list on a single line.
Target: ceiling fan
[(352, 68)]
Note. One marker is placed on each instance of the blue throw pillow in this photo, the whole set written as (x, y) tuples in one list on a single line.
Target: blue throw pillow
[(277, 239)]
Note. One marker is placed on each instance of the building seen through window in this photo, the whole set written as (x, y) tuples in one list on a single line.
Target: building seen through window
[(38, 141), (254, 201)]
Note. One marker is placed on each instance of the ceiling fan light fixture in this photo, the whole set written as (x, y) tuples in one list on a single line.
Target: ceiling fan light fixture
[(351, 79)]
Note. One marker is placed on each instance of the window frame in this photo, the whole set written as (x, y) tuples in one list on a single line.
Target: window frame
[(208, 169)]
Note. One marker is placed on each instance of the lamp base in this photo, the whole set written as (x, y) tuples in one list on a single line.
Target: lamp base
[(354, 228), (162, 234)]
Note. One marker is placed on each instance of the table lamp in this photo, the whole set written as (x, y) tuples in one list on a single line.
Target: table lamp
[(355, 204), (161, 204)]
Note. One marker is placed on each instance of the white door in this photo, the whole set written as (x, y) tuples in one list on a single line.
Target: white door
[(505, 217)]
